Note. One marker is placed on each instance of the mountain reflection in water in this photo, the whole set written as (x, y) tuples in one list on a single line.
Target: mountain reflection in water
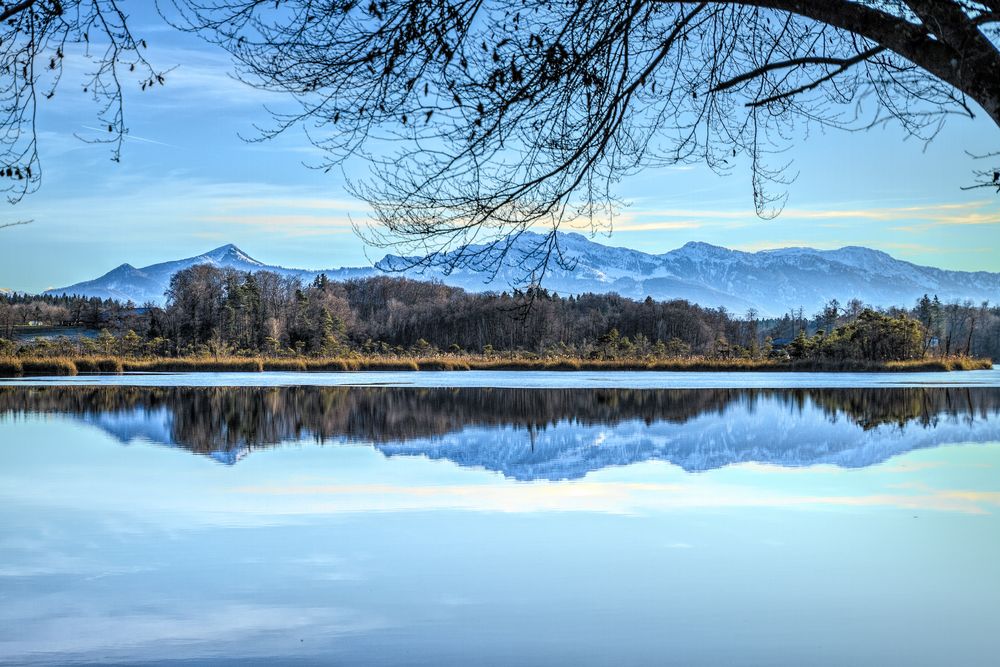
[(529, 434)]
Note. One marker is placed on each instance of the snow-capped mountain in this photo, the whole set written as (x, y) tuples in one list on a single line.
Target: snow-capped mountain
[(149, 284), (771, 281)]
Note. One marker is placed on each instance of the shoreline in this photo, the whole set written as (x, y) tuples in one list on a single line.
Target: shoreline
[(70, 366)]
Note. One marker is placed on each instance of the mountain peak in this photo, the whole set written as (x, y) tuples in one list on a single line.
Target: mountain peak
[(121, 269), (222, 250), (702, 245), (862, 250), (703, 249), (231, 253)]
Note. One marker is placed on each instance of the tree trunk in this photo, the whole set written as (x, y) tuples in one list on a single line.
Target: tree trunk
[(948, 45)]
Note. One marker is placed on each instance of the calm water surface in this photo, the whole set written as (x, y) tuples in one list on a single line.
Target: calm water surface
[(156, 522)]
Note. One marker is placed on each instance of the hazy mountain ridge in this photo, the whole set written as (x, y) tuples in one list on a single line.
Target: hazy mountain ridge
[(771, 281)]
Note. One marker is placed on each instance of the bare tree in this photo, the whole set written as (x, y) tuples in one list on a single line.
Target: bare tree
[(37, 38), (481, 118)]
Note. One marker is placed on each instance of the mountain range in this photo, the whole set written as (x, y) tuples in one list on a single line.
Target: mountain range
[(770, 281)]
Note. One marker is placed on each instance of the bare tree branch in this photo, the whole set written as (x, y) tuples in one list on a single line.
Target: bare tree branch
[(795, 62), (481, 119), (15, 224), (36, 39)]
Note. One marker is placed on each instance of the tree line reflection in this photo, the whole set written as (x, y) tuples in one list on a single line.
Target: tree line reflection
[(206, 420)]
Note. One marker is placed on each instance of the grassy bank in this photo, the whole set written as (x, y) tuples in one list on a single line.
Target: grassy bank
[(44, 366)]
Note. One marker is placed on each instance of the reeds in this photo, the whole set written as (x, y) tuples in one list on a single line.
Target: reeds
[(195, 365), (10, 367), (332, 365), (946, 364), (99, 365), (43, 366), (443, 364), (388, 364), (39, 366), (284, 364)]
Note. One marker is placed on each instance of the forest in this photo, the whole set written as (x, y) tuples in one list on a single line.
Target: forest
[(213, 312)]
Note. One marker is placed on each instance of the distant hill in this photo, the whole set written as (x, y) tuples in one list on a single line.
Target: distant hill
[(772, 281), (149, 283)]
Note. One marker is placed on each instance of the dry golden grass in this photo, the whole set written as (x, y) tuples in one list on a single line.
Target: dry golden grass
[(10, 366), (947, 364), (42, 366), (388, 364), (332, 365), (99, 365), (284, 364), (192, 365), (443, 364), (14, 366)]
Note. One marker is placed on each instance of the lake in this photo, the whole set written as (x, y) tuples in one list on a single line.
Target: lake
[(501, 518)]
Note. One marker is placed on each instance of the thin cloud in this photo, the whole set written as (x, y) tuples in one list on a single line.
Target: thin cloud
[(971, 219), (920, 247), (288, 224), (602, 497), (131, 137), (315, 203), (772, 244), (978, 212), (656, 226)]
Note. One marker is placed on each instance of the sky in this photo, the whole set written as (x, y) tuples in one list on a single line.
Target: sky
[(188, 182)]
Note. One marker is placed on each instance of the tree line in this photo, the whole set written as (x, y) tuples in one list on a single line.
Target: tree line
[(215, 311)]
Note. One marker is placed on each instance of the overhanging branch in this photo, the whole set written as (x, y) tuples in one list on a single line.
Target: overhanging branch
[(845, 65), (794, 62)]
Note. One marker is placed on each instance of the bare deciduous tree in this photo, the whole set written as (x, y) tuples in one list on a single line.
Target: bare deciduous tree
[(484, 117), (37, 37)]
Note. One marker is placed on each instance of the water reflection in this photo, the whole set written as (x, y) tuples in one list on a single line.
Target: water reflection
[(375, 554), (529, 434)]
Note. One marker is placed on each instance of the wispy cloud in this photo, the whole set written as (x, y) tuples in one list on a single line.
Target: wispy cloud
[(923, 247), (288, 224), (775, 244), (984, 216), (606, 497), (632, 226), (980, 212), (179, 201), (291, 216), (130, 137), (318, 203)]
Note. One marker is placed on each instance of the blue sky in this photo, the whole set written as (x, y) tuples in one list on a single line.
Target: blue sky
[(188, 183)]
